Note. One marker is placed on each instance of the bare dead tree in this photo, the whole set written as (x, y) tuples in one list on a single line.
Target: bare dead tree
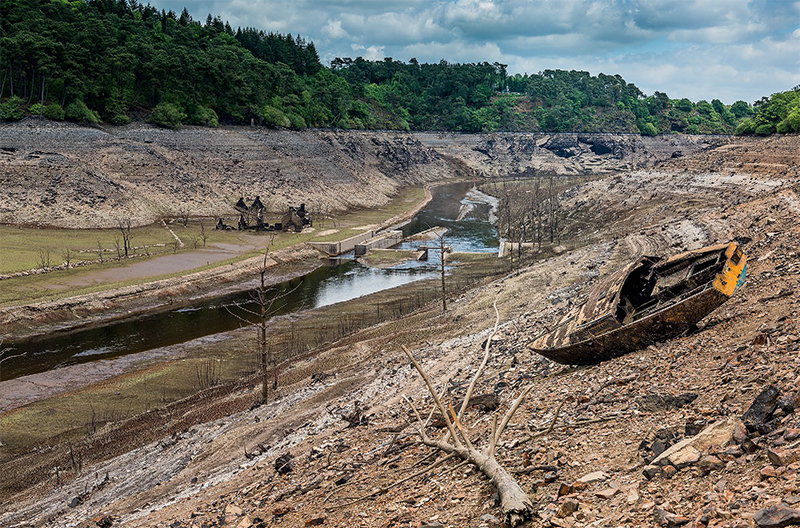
[(99, 251), (325, 214), (124, 227), (554, 210), (538, 201), (514, 502), (264, 304), (67, 254), (117, 247), (264, 297), (183, 216), (203, 234), (44, 258), (208, 374), (443, 254)]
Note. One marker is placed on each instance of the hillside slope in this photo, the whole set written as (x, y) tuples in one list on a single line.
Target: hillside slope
[(70, 176), (576, 421), (66, 175)]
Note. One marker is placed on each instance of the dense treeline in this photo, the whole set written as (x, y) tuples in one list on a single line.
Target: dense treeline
[(779, 113), (482, 98), (438, 96), (113, 60), (566, 101)]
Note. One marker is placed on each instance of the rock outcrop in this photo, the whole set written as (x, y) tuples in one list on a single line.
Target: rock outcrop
[(65, 175)]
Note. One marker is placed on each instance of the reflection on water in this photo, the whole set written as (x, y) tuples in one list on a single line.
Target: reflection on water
[(341, 280), (362, 281), (465, 214), (327, 285)]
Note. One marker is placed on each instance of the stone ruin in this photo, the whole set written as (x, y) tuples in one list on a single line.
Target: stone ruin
[(297, 219), (252, 218), (222, 226)]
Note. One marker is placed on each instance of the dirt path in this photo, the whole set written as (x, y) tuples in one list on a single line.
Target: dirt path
[(154, 267)]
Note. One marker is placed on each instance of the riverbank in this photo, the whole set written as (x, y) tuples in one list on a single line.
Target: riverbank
[(73, 401), (213, 453), (135, 375), (289, 257)]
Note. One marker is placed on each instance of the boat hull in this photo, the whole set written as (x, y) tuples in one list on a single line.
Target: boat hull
[(598, 341), (670, 322)]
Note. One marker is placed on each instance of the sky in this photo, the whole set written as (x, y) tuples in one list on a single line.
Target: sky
[(699, 49)]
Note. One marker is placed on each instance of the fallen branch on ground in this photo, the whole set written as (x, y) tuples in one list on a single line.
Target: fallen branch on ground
[(514, 502), (456, 444)]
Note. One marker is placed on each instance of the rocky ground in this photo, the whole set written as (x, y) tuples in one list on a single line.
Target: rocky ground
[(65, 175), (717, 405), (509, 154)]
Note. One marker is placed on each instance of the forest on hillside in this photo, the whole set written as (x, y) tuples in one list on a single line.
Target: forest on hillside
[(114, 61)]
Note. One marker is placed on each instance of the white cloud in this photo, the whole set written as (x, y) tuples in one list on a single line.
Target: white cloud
[(373, 53), (334, 30), (454, 52)]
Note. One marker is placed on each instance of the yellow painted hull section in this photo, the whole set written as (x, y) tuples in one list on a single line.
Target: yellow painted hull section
[(733, 273)]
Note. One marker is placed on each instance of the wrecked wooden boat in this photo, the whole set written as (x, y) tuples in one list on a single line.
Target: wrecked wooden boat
[(647, 301)]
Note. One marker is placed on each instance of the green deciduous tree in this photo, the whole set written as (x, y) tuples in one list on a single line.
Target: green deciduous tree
[(80, 113), (167, 115), (13, 109)]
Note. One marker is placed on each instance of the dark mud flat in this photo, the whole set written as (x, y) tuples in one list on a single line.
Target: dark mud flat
[(22, 390)]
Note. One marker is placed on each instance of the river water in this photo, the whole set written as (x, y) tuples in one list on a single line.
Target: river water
[(465, 212)]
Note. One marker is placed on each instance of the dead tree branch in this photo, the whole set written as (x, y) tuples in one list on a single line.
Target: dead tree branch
[(514, 502), (478, 373)]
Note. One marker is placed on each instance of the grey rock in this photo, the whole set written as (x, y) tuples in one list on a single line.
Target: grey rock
[(650, 471), (777, 516), (489, 518), (567, 508), (761, 408), (283, 464), (664, 402), (710, 463)]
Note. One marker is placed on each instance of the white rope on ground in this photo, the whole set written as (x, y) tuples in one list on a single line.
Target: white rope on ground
[(171, 232)]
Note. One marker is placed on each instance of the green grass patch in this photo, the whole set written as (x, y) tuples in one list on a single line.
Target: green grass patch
[(24, 248), (21, 248), (76, 414)]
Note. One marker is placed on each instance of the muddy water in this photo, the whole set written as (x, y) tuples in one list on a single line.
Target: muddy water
[(339, 280)]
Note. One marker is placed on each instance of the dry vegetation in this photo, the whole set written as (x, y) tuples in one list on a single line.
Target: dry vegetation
[(578, 444)]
